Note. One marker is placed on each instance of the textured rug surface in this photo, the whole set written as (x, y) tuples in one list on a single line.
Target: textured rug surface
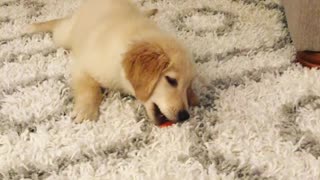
[(258, 119)]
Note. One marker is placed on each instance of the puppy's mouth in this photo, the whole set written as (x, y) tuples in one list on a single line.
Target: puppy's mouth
[(161, 118)]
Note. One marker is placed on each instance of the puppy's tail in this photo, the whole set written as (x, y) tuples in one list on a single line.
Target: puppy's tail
[(47, 26), (61, 29)]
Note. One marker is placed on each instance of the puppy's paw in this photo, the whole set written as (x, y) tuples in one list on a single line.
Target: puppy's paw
[(83, 112), (153, 12), (150, 12)]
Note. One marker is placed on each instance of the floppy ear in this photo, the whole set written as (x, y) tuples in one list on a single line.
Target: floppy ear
[(193, 99), (143, 65)]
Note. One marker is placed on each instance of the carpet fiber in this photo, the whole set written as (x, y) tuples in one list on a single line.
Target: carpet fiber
[(258, 119)]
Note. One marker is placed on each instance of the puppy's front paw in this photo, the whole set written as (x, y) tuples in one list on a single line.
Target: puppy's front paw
[(83, 112), (151, 12)]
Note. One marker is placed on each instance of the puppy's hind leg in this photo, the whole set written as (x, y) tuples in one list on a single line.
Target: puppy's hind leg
[(87, 96)]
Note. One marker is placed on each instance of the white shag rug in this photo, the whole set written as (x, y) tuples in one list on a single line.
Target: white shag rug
[(259, 116)]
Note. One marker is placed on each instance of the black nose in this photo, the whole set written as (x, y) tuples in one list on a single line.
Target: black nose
[(183, 115)]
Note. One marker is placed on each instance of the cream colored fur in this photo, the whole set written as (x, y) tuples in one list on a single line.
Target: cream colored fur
[(98, 35)]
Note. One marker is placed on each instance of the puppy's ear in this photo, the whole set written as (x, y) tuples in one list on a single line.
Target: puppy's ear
[(143, 65), (193, 99)]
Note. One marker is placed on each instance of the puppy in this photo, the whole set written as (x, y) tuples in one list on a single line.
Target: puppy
[(116, 46)]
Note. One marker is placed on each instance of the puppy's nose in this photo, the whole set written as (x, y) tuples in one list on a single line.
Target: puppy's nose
[(183, 115)]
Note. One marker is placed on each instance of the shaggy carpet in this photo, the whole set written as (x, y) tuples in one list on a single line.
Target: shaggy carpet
[(258, 119)]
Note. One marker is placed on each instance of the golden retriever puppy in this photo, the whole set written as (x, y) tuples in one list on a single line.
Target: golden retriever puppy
[(116, 46)]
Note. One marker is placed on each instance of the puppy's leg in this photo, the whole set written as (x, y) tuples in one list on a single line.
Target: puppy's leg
[(150, 12), (87, 96)]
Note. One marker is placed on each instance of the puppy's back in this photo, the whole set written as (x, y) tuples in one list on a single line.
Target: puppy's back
[(94, 15)]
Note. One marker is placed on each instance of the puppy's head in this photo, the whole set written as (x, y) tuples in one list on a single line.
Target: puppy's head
[(161, 76)]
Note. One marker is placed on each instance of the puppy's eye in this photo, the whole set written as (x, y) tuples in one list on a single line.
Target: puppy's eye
[(173, 82)]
